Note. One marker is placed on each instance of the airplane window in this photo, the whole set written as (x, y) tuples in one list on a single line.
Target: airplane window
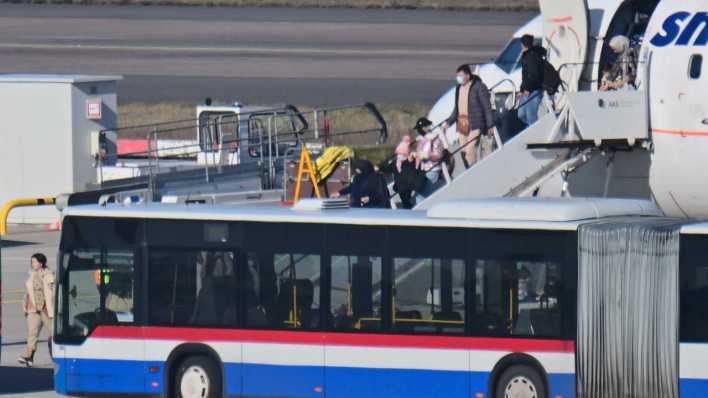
[(694, 68), (508, 58)]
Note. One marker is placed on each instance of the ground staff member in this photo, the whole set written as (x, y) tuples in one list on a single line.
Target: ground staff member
[(38, 305)]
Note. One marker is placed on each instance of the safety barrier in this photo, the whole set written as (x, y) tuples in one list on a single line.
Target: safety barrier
[(25, 202)]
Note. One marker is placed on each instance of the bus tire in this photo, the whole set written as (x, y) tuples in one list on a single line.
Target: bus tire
[(520, 381), (197, 377)]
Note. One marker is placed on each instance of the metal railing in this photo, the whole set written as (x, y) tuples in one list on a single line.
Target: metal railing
[(265, 138)]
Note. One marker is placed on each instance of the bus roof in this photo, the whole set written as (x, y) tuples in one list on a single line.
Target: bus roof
[(698, 228), (502, 213)]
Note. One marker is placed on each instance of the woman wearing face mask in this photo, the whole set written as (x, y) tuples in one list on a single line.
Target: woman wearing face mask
[(368, 188), (428, 155), (38, 305)]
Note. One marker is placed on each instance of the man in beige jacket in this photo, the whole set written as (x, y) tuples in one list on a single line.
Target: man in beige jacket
[(38, 305)]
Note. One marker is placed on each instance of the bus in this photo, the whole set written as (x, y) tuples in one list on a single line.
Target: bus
[(498, 298)]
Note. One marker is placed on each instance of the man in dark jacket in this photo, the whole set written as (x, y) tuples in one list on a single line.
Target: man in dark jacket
[(531, 81), (472, 114), (368, 188)]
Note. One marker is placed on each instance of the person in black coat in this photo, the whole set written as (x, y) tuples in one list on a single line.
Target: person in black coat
[(406, 179), (368, 188), (531, 81)]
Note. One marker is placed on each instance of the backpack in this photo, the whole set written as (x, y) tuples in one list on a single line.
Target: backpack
[(551, 78)]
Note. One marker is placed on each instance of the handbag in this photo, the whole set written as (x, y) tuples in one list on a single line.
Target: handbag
[(463, 125)]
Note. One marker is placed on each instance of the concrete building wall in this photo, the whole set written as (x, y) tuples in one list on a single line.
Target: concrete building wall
[(36, 145), (45, 137)]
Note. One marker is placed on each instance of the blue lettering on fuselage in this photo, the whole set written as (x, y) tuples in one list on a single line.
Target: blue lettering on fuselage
[(672, 30)]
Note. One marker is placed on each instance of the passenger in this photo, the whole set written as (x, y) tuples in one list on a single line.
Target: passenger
[(428, 156), (403, 151), (531, 81), (38, 305), (472, 114), (607, 77), (368, 188), (405, 173), (624, 71)]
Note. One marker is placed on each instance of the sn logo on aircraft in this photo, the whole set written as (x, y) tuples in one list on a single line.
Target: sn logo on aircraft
[(672, 30)]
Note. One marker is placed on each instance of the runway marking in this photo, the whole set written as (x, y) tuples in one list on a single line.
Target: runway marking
[(248, 50)]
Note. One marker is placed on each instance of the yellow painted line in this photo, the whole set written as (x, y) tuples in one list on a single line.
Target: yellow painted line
[(246, 50), (11, 301)]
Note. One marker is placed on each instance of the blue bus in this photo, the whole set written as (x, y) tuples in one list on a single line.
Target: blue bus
[(494, 298)]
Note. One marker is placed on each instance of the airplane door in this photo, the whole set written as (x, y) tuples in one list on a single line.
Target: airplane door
[(565, 35), (696, 118)]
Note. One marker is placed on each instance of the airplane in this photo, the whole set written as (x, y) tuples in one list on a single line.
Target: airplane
[(670, 39)]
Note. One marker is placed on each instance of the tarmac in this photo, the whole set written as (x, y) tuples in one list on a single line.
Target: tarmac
[(263, 56), (17, 380)]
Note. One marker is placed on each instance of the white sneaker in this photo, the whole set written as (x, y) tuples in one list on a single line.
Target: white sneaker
[(25, 361)]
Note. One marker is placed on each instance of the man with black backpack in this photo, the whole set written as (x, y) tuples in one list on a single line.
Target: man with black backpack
[(532, 71)]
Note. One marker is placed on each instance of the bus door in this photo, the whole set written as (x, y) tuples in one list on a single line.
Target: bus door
[(628, 301), (95, 294)]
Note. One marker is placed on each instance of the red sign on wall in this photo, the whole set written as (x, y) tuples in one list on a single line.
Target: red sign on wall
[(93, 109)]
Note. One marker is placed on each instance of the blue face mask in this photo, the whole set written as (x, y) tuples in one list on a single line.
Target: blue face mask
[(460, 80)]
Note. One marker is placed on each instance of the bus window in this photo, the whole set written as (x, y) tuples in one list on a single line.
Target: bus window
[(694, 289), (355, 293), (429, 295), (298, 282), (97, 288), (192, 288), (282, 291), (519, 298)]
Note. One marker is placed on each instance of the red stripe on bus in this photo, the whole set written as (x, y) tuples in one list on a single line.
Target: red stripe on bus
[(338, 339)]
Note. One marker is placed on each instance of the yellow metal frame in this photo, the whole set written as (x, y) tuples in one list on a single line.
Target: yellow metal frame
[(24, 202), (305, 166)]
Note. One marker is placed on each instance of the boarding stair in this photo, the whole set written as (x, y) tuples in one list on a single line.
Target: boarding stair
[(591, 128)]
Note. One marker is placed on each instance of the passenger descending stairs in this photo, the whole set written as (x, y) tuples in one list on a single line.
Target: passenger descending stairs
[(513, 170)]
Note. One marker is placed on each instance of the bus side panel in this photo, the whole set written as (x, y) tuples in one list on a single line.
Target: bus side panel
[(388, 371), (559, 364), (59, 369), (158, 351), (693, 370), (274, 369), (104, 365)]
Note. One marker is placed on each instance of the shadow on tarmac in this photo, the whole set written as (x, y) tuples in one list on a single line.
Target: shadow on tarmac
[(14, 243), (14, 380)]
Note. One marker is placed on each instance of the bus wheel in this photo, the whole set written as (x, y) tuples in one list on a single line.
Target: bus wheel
[(197, 377), (520, 381)]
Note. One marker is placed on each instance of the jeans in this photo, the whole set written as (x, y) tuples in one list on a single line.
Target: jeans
[(433, 177), (528, 111)]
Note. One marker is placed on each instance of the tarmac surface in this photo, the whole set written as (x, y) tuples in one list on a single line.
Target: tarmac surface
[(255, 55), (16, 380)]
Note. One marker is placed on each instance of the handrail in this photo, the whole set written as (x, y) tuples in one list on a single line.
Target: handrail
[(24, 202), (513, 86)]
